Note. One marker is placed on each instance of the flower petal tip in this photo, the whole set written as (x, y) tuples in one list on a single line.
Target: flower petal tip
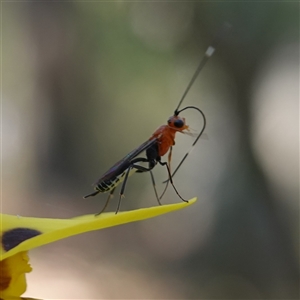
[(23, 234)]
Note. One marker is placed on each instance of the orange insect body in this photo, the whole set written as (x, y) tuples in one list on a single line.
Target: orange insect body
[(165, 134)]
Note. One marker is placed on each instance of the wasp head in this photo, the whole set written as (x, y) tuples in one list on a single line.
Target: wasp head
[(177, 123)]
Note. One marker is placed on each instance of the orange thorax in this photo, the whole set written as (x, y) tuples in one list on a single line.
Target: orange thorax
[(165, 136)]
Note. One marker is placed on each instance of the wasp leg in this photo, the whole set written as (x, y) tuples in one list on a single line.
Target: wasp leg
[(154, 187), (107, 201), (167, 182), (171, 180), (140, 169), (165, 189), (123, 188)]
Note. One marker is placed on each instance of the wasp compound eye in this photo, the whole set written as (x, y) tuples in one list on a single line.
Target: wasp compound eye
[(178, 123)]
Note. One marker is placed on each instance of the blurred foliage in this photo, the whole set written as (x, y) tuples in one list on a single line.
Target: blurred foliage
[(84, 83)]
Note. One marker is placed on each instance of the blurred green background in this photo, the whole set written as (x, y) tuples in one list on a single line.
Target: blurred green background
[(84, 83)]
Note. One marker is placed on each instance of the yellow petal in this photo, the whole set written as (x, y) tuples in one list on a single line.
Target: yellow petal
[(23, 233)]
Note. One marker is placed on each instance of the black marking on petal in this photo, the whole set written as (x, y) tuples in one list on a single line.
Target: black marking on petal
[(13, 237)]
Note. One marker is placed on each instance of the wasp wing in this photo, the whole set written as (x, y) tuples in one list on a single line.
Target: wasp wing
[(124, 163)]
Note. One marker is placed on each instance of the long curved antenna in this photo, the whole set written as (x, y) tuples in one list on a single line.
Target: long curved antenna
[(208, 53), (195, 142), (198, 137)]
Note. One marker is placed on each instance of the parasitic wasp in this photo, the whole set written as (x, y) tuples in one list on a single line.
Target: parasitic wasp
[(161, 142)]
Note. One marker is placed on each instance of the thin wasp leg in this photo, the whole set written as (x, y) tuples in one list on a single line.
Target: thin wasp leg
[(123, 188), (154, 187), (171, 180), (139, 169), (167, 182), (170, 158), (107, 201), (165, 189)]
